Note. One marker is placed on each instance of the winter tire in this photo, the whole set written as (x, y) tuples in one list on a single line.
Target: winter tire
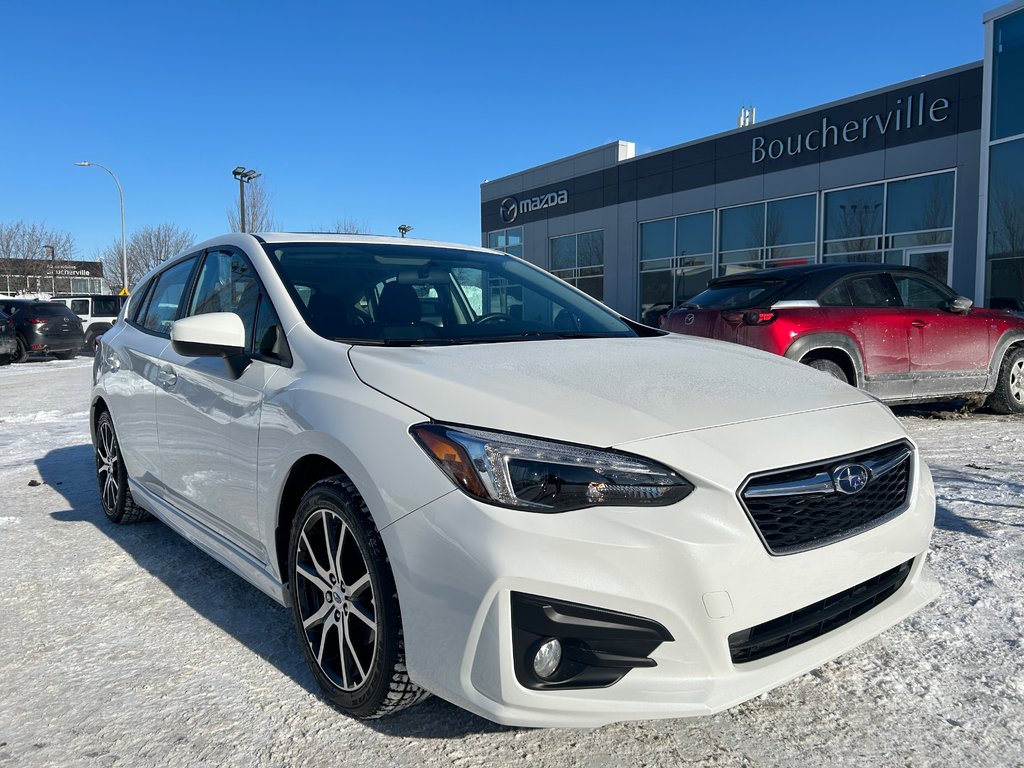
[(21, 355), (111, 476), (345, 605), (65, 355), (827, 366), (1008, 396)]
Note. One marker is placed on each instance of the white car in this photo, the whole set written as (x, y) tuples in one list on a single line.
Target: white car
[(466, 477)]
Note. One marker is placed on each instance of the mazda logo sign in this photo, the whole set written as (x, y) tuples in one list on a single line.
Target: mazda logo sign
[(850, 478), (688, 320), (509, 209)]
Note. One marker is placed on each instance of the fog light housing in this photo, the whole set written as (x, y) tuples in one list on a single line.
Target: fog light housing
[(547, 658)]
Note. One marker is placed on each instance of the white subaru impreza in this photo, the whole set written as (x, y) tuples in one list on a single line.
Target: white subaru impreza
[(468, 478)]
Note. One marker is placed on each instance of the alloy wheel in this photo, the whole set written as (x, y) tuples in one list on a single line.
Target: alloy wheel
[(335, 600), (1017, 381), (108, 457)]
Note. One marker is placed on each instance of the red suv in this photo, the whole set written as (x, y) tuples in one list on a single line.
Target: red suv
[(896, 332)]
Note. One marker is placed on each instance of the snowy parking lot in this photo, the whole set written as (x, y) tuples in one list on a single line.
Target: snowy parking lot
[(129, 646)]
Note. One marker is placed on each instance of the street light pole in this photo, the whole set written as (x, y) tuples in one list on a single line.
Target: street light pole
[(124, 242), (244, 176), (53, 269)]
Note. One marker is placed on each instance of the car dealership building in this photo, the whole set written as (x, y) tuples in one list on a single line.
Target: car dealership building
[(928, 172)]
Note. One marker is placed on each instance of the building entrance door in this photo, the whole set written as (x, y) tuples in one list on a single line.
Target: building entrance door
[(936, 260)]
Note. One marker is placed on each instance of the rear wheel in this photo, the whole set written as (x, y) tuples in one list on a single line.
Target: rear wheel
[(829, 367), (21, 354), (345, 605), (1008, 396), (111, 476), (65, 355)]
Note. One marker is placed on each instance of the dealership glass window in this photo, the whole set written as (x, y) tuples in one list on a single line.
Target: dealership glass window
[(579, 260), (775, 233), (1004, 244), (1008, 77), (853, 222), (675, 259), (508, 240), (924, 203)]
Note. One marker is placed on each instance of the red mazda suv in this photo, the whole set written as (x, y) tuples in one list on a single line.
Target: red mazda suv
[(896, 332)]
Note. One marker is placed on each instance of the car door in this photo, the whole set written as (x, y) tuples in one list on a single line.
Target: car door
[(209, 420), (134, 364), (949, 352), (865, 306)]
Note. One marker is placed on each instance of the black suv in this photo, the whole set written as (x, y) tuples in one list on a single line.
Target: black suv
[(8, 342), (44, 327)]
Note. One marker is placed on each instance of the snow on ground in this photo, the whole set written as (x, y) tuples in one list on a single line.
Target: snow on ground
[(128, 646)]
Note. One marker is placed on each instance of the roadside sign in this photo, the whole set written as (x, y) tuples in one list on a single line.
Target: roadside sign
[(124, 292)]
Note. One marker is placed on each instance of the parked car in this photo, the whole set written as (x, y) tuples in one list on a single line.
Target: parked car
[(96, 311), (43, 327), (8, 339), (493, 507), (896, 332)]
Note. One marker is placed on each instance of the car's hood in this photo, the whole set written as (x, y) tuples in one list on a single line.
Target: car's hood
[(598, 391)]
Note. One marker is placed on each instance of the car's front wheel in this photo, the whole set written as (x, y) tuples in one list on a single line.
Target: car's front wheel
[(112, 477), (345, 605), (1008, 396)]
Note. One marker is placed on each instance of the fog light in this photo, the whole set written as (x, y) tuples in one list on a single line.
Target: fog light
[(547, 658)]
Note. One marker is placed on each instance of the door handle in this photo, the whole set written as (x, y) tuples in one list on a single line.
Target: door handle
[(167, 378), (918, 323)]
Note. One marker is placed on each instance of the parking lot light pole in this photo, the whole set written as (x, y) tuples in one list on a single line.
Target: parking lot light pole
[(124, 243), (244, 176)]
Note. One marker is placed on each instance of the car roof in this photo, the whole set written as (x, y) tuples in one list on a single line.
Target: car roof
[(822, 271)]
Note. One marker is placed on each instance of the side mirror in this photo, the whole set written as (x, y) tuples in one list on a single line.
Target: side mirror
[(960, 305), (215, 334)]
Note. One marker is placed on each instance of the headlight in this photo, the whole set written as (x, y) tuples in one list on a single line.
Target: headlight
[(545, 476)]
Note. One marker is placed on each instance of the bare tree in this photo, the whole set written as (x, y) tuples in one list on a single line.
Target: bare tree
[(258, 215), (25, 264), (147, 247), (345, 226)]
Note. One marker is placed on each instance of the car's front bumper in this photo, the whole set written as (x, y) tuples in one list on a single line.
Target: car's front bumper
[(697, 568)]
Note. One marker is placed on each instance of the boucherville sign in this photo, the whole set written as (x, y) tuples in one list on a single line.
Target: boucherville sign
[(913, 111)]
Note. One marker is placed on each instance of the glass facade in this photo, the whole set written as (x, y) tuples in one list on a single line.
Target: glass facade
[(776, 233), (508, 240), (1004, 232), (676, 258), (579, 260)]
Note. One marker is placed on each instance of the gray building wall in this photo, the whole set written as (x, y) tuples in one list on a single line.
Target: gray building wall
[(610, 189)]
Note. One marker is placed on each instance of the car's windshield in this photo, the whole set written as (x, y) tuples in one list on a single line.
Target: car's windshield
[(373, 293), (737, 295)]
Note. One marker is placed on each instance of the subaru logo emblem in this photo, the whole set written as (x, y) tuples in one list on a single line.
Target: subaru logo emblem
[(509, 209), (850, 478)]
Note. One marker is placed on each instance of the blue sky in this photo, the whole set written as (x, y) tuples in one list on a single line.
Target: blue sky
[(394, 112)]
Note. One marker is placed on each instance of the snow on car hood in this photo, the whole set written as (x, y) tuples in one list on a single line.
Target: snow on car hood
[(598, 391)]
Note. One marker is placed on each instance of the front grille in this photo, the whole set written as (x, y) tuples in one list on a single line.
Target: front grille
[(800, 508), (815, 620)]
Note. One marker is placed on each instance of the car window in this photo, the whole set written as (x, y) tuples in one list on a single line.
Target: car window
[(920, 293), (836, 296), (80, 306), (871, 291), (737, 295), (227, 283), (390, 294), (269, 341), (138, 302), (168, 289), (106, 306)]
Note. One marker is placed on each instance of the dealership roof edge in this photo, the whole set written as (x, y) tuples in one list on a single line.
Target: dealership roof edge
[(1002, 10), (760, 124)]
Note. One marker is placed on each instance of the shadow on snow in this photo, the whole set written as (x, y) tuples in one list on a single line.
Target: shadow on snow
[(225, 599)]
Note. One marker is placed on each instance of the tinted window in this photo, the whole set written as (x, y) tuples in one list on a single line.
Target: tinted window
[(80, 306), (922, 203), (737, 295), (227, 284), (836, 296), (168, 289), (742, 228), (106, 306), (138, 302), (853, 213), (871, 291), (269, 340)]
